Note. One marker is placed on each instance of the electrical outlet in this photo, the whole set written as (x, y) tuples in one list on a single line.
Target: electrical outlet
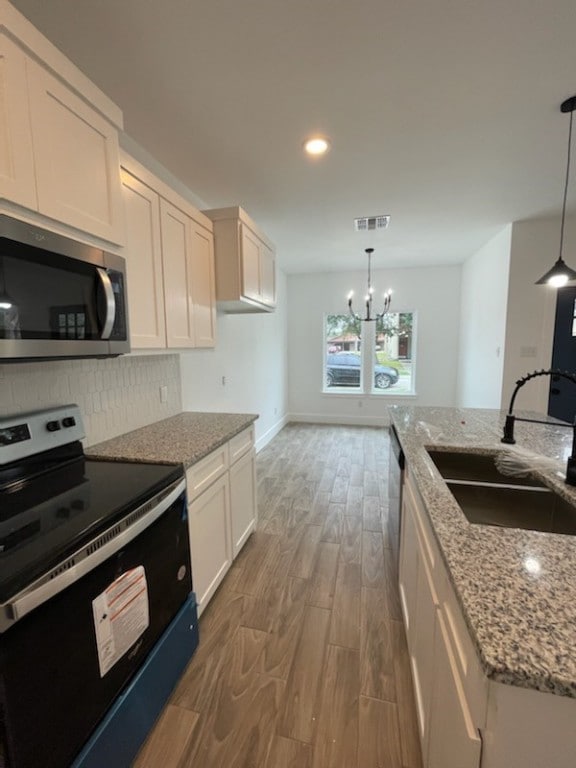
[(163, 394)]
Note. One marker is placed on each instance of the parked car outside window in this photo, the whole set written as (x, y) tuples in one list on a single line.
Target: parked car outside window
[(343, 370)]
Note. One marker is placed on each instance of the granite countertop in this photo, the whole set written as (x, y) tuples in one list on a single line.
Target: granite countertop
[(182, 439), (516, 588)]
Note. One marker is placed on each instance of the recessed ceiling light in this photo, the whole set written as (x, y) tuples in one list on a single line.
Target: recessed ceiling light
[(317, 145)]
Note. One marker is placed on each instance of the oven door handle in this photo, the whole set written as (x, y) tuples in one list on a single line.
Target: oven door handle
[(85, 560)]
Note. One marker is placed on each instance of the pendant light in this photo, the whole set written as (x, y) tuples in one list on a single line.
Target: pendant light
[(561, 273), (368, 298)]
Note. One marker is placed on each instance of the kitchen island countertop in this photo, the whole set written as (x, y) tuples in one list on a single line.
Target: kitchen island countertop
[(182, 439), (516, 588)]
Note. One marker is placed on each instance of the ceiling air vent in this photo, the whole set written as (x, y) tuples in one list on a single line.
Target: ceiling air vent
[(371, 223)]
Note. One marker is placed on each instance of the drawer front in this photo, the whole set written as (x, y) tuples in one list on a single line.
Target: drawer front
[(206, 471), (240, 444)]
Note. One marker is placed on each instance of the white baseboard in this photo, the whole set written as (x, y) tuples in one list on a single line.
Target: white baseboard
[(264, 439), (323, 418)]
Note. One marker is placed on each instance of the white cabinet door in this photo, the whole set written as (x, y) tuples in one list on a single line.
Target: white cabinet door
[(243, 499), (17, 179), (250, 265), (422, 653), (267, 276), (408, 572), (176, 248), (143, 254), (454, 740), (210, 546), (76, 159), (202, 285)]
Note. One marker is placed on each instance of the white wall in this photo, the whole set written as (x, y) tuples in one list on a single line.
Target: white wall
[(115, 395), (484, 295), (433, 292), (250, 354), (531, 308)]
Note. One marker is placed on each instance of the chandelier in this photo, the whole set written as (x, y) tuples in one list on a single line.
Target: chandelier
[(368, 298)]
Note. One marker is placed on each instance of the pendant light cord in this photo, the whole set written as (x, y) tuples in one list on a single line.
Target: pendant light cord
[(566, 184)]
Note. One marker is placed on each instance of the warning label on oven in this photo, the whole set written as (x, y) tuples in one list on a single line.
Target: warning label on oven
[(120, 616)]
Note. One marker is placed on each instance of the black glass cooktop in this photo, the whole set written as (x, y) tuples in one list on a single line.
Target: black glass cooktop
[(45, 519)]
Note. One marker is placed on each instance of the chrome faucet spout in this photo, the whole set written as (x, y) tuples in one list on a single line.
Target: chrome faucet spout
[(511, 419)]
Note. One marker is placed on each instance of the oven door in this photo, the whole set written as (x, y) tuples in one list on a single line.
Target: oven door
[(56, 680)]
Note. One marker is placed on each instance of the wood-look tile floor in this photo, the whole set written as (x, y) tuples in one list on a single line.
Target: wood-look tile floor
[(302, 659)]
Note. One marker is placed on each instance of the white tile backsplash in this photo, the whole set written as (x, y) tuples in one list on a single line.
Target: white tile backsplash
[(115, 395)]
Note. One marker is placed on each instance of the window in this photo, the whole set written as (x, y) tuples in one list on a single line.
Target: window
[(369, 357)]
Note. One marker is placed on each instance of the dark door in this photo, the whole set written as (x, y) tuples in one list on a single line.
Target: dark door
[(562, 397)]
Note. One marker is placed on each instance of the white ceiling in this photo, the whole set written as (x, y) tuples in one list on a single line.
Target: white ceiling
[(442, 113)]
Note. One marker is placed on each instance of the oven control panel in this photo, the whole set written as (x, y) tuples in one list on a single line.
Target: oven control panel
[(26, 434)]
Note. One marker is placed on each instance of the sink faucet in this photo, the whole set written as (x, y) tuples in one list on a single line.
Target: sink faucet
[(511, 419)]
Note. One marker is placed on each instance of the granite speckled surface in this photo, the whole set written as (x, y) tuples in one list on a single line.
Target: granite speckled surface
[(182, 439), (516, 588)]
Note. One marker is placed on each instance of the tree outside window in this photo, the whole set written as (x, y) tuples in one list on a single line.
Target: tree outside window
[(369, 357)]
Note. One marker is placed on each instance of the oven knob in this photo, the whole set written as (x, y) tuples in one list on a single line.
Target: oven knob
[(53, 426), (69, 421)]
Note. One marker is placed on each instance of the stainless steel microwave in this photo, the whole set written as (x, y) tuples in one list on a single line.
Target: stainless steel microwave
[(58, 297)]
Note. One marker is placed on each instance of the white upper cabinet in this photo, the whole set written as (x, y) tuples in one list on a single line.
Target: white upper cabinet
[(176, 258), (17, 177), (203, 290), (143, 255), (170, 264), (59, 153), (76, 157), (245, 263)]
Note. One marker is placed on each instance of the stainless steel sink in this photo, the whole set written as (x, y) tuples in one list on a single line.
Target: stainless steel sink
[(535, 509), (488, 497), (476, 467)]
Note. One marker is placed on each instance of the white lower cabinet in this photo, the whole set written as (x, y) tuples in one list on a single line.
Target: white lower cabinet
[(454, 740), (242, 494), (423, 656), (210, 548), (439, 655), (221, 512), (465, 719)]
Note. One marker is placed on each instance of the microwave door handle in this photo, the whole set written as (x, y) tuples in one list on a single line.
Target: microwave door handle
[(110, 303)]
